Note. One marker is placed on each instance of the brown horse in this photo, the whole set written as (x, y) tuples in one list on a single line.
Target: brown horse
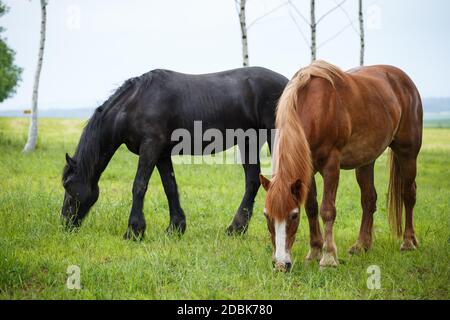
[(330, 120)]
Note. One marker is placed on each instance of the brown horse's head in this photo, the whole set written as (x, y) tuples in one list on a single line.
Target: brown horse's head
[(283, 216), (293, 169)]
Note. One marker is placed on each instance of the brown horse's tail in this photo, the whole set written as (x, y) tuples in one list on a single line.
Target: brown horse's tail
[(395, 201)]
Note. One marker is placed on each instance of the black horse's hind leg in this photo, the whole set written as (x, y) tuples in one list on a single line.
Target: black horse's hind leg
[(148, 157), (244, 213), (177, 217)]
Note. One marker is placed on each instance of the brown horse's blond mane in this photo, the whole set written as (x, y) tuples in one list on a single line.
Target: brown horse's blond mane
[(292, 157)]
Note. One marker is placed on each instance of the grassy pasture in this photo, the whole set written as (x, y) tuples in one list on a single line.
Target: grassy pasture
[(205, 263)]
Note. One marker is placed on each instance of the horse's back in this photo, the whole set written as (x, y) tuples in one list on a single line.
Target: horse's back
[(242, 98), (379, 103), (398, 96), (260, 75), (233, 98), (389, 80)]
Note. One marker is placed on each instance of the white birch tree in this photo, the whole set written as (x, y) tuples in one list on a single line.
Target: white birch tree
[(243, 24), (313, 22), (241, 7), (361, 33), (313, 31), (33, 130)]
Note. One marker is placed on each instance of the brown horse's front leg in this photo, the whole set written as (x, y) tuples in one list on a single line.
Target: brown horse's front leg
[(365, 178), (312, 211), (330, 174)]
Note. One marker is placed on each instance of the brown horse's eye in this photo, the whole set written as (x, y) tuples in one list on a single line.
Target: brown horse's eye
[(294, 215)]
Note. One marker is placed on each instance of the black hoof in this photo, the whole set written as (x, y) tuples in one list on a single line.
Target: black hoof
[(136, 230), (133, 235), (234, 230), (176, 228)]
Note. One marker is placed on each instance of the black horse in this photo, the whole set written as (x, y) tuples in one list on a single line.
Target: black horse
[(144, 112)]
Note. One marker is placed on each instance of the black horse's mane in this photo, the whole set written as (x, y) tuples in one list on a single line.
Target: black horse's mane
[(87, 153)]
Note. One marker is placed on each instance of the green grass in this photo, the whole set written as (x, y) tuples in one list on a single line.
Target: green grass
[(205, 263)]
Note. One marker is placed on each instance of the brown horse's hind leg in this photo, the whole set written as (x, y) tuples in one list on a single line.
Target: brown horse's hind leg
[(408, 171), (330, 174), (312, 211), (365, 178)]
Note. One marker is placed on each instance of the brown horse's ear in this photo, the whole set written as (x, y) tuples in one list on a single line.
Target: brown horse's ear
[(296, 189), (72, 163), (264, 182)]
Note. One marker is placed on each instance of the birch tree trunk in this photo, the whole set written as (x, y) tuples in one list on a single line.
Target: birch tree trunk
[(33, 130), (313, 31), (361, 32), (243, 33)]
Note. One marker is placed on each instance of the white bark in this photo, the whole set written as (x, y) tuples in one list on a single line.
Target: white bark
[(313, 31), (361, 32), (33, 130), (243, 33)]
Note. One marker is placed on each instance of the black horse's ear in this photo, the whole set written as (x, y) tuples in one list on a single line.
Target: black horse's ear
[(72, 163)]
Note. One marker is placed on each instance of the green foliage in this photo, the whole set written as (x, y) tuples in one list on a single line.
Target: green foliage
[(9, 72), (205, 263)]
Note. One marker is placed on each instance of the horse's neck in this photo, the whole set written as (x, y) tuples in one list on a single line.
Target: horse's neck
[(99, 142), (103, 161), (98, 164)]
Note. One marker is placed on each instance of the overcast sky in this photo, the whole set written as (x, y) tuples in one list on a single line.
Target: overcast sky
[(94, 45)]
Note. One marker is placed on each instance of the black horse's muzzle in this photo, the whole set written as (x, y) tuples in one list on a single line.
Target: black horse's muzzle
[(70, 223)]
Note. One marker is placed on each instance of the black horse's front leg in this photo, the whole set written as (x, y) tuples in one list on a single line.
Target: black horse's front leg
[(177, 217), (244, 213), (148, 157)]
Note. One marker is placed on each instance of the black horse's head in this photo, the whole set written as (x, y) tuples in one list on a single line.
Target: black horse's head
[(80, 195)]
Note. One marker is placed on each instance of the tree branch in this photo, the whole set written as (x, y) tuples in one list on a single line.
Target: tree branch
[(299, 29), (348, 18), (336, 35), (299, 13), (330, 11), (266, 14)]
